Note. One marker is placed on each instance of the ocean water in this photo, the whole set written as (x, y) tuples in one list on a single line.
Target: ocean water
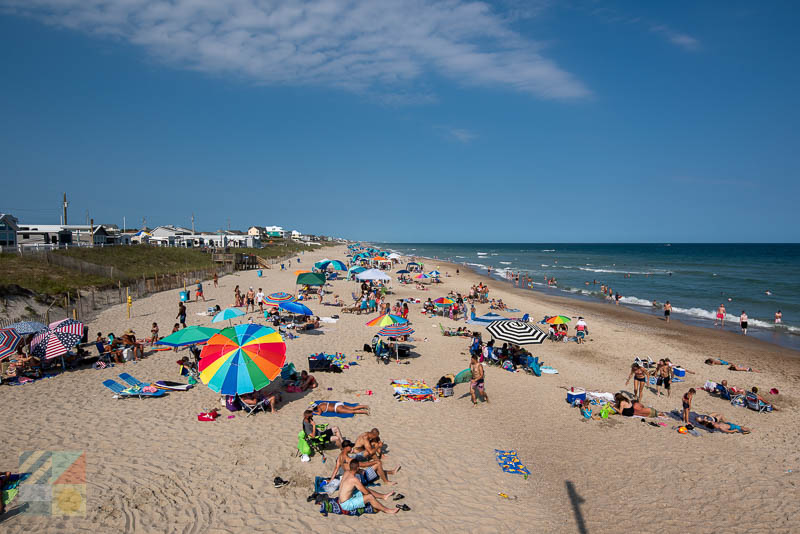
[(695, 278)]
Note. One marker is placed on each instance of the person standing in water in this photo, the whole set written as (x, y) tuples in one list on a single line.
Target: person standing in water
[(667, 310), (721, 315), (778, 317), (743, 323)]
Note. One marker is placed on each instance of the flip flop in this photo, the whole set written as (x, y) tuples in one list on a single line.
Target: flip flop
[(398, 496), (403, 507)]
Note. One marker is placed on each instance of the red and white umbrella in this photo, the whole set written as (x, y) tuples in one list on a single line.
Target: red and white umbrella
[(9, 339), (57, 339)]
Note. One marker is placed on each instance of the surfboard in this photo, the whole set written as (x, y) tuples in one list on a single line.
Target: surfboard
[(172, 386)]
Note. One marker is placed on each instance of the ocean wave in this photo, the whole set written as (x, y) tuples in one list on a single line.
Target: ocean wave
[(506, 262), (493, 254), (734, 319), (482, 266), (482, 253), (613, 271), (462, 257), (636, 301), (549, 250)]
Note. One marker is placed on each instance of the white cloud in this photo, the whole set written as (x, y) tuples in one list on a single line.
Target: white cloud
[(687, 42), (462, 135), (371, 46)]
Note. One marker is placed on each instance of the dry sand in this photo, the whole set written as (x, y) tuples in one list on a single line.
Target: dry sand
[(152, 467)]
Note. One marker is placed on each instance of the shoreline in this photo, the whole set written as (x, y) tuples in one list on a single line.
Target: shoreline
[(784, 341)]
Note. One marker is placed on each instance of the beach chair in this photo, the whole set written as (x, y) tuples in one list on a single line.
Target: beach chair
[(128, 379), (124, 392), (253, 408), (723, 392), (103, 354), (314, 444)]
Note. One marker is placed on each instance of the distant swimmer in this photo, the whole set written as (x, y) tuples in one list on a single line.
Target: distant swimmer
[(768, 292), (778, 317), (721, 315)]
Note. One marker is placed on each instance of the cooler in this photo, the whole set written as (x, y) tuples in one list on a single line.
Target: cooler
[(184, 296), (259, 272), (680, 372), (578, 394)]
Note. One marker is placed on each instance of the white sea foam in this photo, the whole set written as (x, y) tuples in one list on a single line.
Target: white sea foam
[(635, 301), (616, 271), (462, 257), (506, 262), (549, 250), (482, 266)]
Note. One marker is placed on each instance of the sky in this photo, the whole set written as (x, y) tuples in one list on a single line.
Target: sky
[(406, 120)]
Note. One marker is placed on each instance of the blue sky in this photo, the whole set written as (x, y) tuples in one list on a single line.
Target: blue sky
[(407, 120)]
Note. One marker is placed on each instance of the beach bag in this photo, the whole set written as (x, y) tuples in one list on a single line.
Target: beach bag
[(367, 348), (232, 403), (738, 400)]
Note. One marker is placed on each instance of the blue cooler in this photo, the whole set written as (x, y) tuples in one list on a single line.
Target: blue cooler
[(578, 395), (680, 372), (184, 296), (258, 272)]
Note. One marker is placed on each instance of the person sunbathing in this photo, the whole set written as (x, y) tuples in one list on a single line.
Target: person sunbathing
[(340, 407), (353, 495), (630, 408), (369, 445), (715, 421), (716, 361), (251, 399), (307, 381), (734, 367)]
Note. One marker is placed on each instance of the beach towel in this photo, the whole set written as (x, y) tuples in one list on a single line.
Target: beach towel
[(334, 414), (678, 416), (332, 507), (414, 390), (510, 462)]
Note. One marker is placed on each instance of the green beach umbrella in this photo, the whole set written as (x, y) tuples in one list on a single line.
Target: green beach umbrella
[(188, 336)]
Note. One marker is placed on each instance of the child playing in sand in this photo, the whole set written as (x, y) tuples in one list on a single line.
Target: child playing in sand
[(687, 404), (154, 334)]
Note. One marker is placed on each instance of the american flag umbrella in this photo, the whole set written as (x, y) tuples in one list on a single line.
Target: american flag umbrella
[(57, 339), (9, 339), (516, 332)]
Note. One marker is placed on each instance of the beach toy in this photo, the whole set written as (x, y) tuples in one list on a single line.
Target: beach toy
[(259, 273), (774, 391), (576, 394), (184, 296), (679, 372), (682, 430)]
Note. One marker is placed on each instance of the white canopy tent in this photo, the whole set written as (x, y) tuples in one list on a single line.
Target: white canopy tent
[(373, 274)]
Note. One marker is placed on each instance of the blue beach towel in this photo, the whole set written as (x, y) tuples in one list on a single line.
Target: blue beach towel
[(333, 414), (510, 462)]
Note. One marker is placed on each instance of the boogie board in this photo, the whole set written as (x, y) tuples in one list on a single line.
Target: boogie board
[(172, 386)]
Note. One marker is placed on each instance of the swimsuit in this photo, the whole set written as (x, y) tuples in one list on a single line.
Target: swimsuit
[(638, 378), (355, 501), (685, 404), (368, 476), (734, 427), (627, 412), (723, 362), (336, 406)]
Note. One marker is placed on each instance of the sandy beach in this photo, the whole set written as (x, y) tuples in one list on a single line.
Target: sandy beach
[(151, 466)]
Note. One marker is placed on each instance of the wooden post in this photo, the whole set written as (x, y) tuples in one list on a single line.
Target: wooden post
[(119, 290), (128, 301)]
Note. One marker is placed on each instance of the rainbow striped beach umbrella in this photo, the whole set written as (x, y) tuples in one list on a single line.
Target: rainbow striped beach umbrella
[(387, 319), (242, 359), (275, 299), (444, 301), (558, 319), (422, 275), (396, 330)]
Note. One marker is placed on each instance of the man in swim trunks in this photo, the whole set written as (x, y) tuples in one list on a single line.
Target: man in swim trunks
[(251, 300), (477, 382), (372, 469), (353, 495), (369, 445), (667, 310), (721, 315), (663, 374)]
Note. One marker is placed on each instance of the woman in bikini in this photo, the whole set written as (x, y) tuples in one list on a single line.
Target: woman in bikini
[(639, 375), (629, 408), (715, 421), (340, 407)]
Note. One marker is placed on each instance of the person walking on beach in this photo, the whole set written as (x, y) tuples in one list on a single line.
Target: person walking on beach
[(477, 383), (199, 292), (663, 376), (721, 315), (181, 314), (639, 379), (617, 297), (667, 310), (260, 299), (687, 404), (251, 300), (743, 323), (216, 279)]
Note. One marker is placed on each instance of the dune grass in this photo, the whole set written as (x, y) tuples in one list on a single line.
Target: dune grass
[(32, 273), (137, 261)]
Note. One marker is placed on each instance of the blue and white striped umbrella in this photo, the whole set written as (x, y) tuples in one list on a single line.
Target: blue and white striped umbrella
[(28, 327)]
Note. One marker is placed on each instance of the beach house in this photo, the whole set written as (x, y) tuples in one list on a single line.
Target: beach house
[(8, 231)]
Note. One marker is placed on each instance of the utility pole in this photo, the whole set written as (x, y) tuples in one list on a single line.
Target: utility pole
[(144, 223), (123, 223), (87, 216), (65, 209), (193, 232), (91, 231)]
